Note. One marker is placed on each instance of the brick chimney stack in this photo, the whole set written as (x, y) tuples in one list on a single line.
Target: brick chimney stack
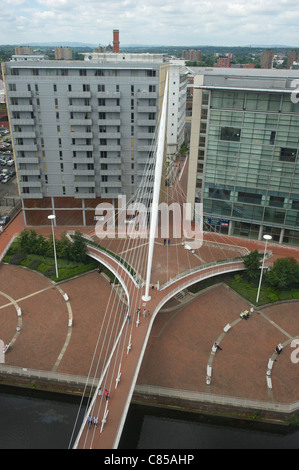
[(115, 40)]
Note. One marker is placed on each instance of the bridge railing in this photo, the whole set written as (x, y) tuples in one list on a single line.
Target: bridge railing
[(201, 277), (198, 269)]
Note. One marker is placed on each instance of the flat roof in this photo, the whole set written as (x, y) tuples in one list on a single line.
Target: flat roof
[(238, 72)]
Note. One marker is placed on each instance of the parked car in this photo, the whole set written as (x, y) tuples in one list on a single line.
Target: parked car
[(12, 173), (4, 220), (5, 179), (10, 162)]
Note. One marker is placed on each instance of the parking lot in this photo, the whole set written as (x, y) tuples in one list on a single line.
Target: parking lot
[(9, 195)]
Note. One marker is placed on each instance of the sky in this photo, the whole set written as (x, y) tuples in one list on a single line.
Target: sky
[(151, 22)]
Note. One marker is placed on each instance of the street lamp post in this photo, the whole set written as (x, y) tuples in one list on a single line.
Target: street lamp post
[(267, 238), (52, 218)]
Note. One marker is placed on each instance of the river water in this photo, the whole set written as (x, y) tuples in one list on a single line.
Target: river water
[(35, 420)]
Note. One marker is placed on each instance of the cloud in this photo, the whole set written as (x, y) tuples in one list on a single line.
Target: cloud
[(169, 22)]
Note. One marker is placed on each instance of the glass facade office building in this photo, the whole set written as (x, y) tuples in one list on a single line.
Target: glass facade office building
[(245, 150)]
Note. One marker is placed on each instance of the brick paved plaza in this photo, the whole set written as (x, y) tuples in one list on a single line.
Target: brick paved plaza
[(179, 347)]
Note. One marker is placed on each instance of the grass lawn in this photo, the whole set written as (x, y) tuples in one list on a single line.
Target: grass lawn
[(248, 291)]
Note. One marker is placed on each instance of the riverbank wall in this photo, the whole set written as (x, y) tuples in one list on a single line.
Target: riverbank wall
[(179, 400)]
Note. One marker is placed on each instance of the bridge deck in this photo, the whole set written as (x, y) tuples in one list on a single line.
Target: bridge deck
[(107, 437)]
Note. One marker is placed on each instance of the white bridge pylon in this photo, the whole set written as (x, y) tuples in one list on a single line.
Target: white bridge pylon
[(156, 192)]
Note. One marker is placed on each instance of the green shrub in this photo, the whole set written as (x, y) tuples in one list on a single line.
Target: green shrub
[(238, 278), (34, 264), (273, 297), (17, 258)]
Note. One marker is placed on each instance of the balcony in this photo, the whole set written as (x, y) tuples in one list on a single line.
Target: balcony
[(110, 135), (108, 94), (81, 135), (80, 122), (27, 160), (82, 148), (108, 109), (20, 108), (83, 172), (146, 109), (79, 109), (22, 122), (111, 172), (79, 94), (109, 195), (147, 122), (110, 184), (20, 94), (24, 135), (108, 160), (108, 122), (30, 184), (86, 160), (147, 95), (33, 172), (26, 148), (110, 148)]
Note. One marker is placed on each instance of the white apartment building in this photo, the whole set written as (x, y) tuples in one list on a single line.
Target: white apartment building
[(82, 130)]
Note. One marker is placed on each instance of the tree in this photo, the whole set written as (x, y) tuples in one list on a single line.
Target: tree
[(78, 247), (252, 266), (284, 274)]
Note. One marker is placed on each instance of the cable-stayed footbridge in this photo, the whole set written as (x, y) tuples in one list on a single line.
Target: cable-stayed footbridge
[(155, 253)]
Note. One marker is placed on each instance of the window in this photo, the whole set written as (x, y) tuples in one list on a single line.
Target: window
[(272, 137), (287, 155), (219, 193), (276, 201), (249, 197), (230, 133), (295, 205)]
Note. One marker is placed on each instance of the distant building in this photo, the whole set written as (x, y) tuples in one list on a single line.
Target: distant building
[(242, 66), (65, 53), (2, 92), (292, 57), (28, 57), (267, 59), (222, 62), (21, 50), (193, 55)]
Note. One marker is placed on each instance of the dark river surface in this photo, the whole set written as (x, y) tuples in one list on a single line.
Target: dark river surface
[(39, 420)]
